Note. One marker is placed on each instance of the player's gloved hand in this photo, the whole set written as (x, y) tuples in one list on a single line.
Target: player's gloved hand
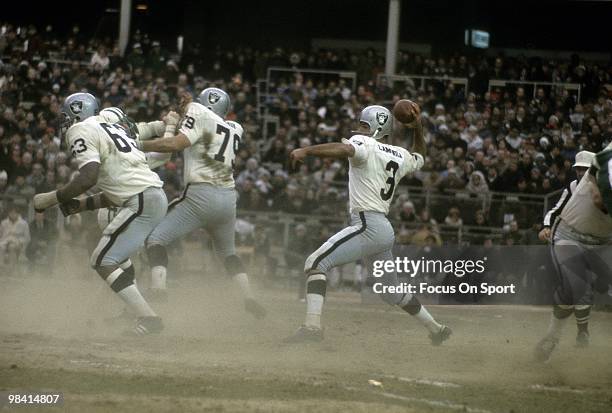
[(172, 118), (544, 234), (45, 200), (70, 207)]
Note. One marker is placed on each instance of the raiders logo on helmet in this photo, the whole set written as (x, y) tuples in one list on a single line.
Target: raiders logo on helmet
[(381, 118), (213, 98), (76, 106)]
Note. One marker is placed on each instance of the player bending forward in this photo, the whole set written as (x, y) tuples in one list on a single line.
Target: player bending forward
[(108, 157), (580, 236), (210, 144), (142, 131), (374, 170)]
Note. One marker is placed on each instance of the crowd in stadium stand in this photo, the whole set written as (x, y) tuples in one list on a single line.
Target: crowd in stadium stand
[(481, 142)]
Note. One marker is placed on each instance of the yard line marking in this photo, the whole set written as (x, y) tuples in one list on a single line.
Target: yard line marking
[(557, 389), (425, 382), (433, 403)]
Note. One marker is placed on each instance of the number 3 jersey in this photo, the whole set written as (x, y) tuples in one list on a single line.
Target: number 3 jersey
[(214, 144), (124, 171), (374, 172)]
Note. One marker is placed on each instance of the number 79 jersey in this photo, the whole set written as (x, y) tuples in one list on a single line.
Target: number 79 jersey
[(124, 171), (374, 172), (214, 145)]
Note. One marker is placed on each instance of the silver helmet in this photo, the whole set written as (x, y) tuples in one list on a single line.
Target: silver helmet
[(379, 121), (76, 108), (216, 100)]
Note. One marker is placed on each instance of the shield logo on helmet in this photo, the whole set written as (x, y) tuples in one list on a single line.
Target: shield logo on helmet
[(381, 118), (213, 97), (76, 106)]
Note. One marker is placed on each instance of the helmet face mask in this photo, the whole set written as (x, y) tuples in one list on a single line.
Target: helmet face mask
[(377, 120), (216, 100), (116, 116)]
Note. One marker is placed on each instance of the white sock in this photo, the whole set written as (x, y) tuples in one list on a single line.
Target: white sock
[(136, 302), (556, 327), (126, 264), (158, 277), (314, 307), (427, 320), (243, 283)]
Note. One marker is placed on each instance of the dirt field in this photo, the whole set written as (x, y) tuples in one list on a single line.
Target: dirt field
[(214, 357)]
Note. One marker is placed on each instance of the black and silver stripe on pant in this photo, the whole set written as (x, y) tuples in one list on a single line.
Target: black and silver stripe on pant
[(119, 230), (341, 241), (178, 200)]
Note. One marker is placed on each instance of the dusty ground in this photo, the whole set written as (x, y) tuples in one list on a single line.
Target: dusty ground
[(214, 357)]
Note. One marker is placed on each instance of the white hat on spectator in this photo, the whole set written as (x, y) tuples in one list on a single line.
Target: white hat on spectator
[(443, 127), (439, 106), (584, 159), (3, 176), (544, 142)]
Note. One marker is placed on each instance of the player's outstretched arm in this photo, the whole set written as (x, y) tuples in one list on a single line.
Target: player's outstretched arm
[(170, 144), (324, 150), (418, 141), (85, 179)]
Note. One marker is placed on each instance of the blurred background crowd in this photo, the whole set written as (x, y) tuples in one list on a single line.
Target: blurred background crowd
[(496, 155)]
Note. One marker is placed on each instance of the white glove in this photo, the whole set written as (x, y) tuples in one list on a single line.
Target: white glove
[(172, 118), (45, 200)]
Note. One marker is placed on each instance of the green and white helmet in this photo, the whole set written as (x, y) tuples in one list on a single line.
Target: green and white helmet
[(114, 115), (216, 100), (379, 121)]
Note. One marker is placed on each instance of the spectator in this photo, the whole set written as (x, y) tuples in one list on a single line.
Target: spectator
[(14, 237), (453, 218), (42, 244)]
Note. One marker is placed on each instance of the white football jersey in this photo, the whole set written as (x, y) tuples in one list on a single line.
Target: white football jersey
[(150, 130), (123, 167), (214, 145), (374, 172)]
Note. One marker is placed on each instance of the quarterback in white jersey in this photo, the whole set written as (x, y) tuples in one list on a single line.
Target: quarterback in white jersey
[(375, 168), (108, 157), (210, 144)]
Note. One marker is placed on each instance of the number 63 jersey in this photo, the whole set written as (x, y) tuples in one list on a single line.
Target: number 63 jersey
[(124, 171), (374, 172), (214, 145)]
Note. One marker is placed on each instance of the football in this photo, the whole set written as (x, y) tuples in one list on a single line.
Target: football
[(405, 111)]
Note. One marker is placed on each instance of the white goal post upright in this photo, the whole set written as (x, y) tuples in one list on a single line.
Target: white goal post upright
[(393, 28)]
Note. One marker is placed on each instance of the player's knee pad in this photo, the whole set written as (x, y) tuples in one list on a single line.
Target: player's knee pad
[(316, 283), (562, 311), (157, 255), (410, 304), (118, 279), (233, 265)]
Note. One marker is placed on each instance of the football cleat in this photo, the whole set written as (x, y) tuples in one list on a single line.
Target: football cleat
[(253, 307), (544, 349), (441, 336), (304, 334), (148, 325), (583, 339)]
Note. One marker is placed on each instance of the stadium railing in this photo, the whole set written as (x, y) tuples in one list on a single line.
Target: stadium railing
[(421, 81), (559, 86)]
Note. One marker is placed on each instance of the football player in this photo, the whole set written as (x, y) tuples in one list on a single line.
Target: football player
[(582, 311), (580, 236), (108, 157), (142, 131), (210, 144), (375, 168)]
